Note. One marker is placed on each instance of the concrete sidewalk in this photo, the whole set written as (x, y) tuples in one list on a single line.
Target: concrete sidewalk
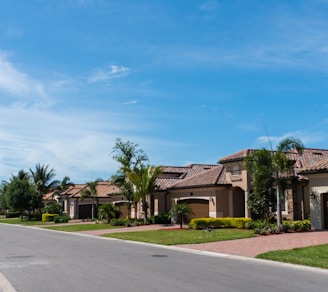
[(248, 247)]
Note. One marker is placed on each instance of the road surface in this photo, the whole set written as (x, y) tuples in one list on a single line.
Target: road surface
[(32, 260)]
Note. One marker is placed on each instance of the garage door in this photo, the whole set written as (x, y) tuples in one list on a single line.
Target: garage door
[(85, 211), (200, 208)]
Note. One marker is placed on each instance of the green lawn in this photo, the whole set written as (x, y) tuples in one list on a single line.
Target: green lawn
[(314, 256), (81, 227), (20, 222), (173, 237)]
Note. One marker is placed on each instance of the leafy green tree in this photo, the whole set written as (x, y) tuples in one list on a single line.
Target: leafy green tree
[(181, 211), (128, 155), (43, 179), (20, 193), (91, 192), (144, 184), (271, 170), (130, 158), (3, 197), (261, 199), (108, 211), (283, 166)]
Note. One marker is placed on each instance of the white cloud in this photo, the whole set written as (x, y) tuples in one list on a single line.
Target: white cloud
[(67, 141), (132, 101), (209, 6), (20, 87), (109, 73)]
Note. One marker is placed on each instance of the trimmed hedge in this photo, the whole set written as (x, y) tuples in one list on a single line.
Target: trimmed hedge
[(215, 223), (48, 217)]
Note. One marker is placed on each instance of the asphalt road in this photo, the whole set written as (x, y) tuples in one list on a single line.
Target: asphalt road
[(35, 260)]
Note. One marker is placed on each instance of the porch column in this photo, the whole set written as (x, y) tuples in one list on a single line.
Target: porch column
[(247, 212)]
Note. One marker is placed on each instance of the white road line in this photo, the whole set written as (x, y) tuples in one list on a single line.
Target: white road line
[(5, 286)]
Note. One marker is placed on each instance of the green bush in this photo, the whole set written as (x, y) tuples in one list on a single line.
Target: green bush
[(160, 219), (61, 218), (263, 227), (118, 222), (48, 217), (215, 223), (13, 215)]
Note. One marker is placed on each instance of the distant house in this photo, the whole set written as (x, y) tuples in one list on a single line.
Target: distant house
[(75, 207)]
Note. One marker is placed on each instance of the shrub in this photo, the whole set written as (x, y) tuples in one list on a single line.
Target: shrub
[(160, 219), (48, 217), (117, 222), (13, 214), (215, 223), (53, 208), (61, 218)]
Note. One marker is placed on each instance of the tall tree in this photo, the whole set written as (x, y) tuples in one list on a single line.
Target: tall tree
[(20, 193), (261, 199), (284, 165), (144, 184), (130, 158), (91, 192), (43, 179), (269, 168)]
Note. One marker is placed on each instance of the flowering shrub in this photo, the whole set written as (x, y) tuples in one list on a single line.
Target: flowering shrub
[(48, 217)]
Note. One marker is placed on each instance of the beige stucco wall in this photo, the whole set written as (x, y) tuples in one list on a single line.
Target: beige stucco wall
[(318, 185)]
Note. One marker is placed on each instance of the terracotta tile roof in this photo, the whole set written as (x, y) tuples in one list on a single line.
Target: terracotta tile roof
[(321, 166), (211, 177), (174, 174), (73, 190), (235, 156), (104, 189)]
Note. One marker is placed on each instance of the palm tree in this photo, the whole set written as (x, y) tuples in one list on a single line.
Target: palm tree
[(144, 184), (108, 211), (181, 211), (91, 192), (44, 183), (282, 164)]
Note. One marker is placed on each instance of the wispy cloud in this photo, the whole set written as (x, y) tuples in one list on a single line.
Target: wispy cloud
[(209, 6), (19, 86), (132, 101), (111, 72)]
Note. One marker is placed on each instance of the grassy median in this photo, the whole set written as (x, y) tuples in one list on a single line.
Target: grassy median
[(177, 236)]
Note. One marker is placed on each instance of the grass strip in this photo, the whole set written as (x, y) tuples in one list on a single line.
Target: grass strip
[(313, 256), (174, 237), (81, 227)]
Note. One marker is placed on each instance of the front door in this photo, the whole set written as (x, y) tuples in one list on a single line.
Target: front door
[(325, 209)]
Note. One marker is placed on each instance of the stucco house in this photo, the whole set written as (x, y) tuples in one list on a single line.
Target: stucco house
[(220, 190), (317, 175), (76, 207)]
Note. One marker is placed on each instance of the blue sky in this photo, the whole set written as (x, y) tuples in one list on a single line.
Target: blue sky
[(190, 81)]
